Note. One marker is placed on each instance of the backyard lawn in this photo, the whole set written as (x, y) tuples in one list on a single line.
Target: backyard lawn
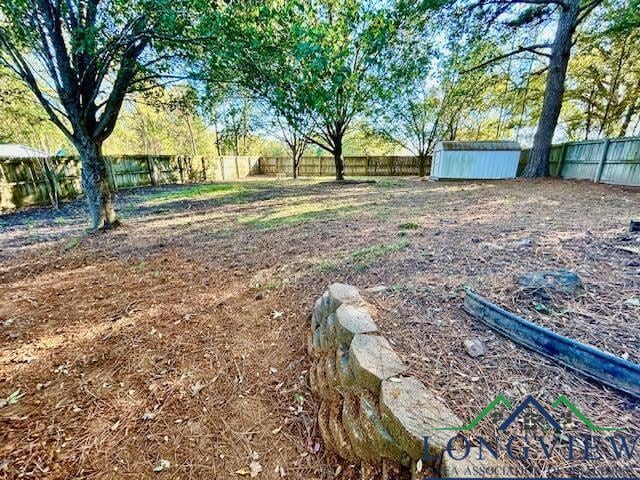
[(175, 345)]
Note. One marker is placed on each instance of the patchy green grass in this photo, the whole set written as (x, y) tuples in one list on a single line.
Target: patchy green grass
[(72, 243), (197, 191), (297, 214), (364, 257), (138, 267), (327, 266), (409, 226)]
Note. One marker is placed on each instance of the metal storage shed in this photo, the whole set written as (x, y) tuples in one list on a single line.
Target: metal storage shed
[(475, 160)]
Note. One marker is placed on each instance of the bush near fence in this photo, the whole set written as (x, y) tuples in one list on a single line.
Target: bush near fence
[(32, 181)]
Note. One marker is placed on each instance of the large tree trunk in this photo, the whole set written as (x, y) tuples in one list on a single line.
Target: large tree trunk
[(296, 164), (422, 164), (338, 158), (538, 164), (95, 184)]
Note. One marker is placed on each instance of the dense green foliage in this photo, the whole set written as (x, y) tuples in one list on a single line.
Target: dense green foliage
[(347, 75)]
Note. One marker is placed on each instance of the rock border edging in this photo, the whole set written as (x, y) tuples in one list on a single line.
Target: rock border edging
[(369, 412)]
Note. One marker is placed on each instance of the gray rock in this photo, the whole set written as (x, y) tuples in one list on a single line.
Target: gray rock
[(545, 282), (634, 225), (343, 367), (327, 332), (368, 436), (380, 440), (525, 242), (351, 320), (474, 347), (410, 412), (320, 310), (340, 293), (372, 360)]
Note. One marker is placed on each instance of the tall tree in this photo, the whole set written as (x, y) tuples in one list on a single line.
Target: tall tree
[(23, 118), (79, 58), (603, 85), (331, 59), (567, 16)]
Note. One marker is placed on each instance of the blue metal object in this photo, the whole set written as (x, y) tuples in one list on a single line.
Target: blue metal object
[(591, 362)]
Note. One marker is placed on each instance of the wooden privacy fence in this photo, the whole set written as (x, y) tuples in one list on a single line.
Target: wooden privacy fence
[(30, 181), (615, 160), (325, 166)]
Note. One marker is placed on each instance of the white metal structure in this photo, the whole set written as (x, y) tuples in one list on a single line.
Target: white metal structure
[(13, 150), (475, 160)]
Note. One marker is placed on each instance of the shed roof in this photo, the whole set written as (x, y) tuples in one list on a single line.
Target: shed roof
[(14, 150), (485, 145)]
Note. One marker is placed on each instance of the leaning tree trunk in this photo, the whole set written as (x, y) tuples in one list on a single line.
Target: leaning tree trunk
[(538, 164), (630, 112), (95, 184), (338, 158)]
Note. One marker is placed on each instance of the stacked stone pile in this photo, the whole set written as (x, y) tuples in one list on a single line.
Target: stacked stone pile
[(370, 412)]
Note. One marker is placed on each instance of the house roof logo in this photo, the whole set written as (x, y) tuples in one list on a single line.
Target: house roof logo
[(529, 403)]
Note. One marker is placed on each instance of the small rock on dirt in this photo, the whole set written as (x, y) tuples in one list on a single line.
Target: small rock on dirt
[(525, 242), (474, 347)]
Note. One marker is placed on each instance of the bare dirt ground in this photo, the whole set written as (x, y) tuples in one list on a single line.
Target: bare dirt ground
[(174, 346)]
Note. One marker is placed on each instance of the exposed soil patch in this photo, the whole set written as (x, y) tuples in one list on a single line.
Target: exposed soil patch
[(181, 336)]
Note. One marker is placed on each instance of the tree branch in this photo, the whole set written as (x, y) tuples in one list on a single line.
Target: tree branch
[(531, 48)]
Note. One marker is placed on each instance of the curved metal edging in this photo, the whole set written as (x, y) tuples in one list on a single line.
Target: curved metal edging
[(596, 364)]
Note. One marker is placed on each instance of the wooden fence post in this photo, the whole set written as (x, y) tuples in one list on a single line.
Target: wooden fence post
[(109, 163), (563, 155), (603, 159)]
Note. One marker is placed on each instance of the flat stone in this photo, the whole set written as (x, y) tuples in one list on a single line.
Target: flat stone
[(544, 282), (380, 440), (340, 293), (352, 320), (471, 466), (411, 412), (373, 360)]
